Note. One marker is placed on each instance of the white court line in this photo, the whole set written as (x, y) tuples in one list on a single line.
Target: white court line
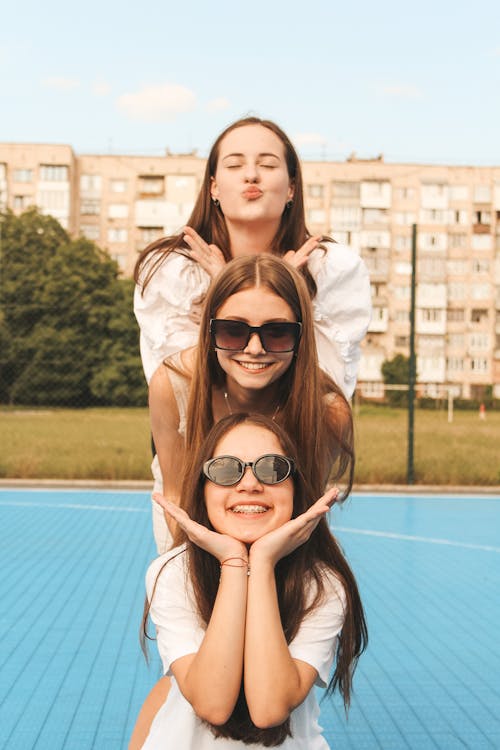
[(346, 529), (409, 538), (76, 506)]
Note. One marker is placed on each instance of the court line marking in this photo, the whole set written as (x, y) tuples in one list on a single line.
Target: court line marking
[(345, 529), (410, 538), (73, 506)]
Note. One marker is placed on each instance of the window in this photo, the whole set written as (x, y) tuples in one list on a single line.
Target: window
[(434, 267), (432, 240), (120, 259), (480, 266), (405, 218), (117, 235), (480, 291), (54, 173), (20, 202), (54, 200), (151, 185), (90, 231), (455, 364), (434, 216), (456, 291), (482, 194), (375, 216), (457, 240), (402, 292), (458, 192), (345, 217), (431, 314), (481, 217), (118, 186), (479, 364), (479, 341), (90, 207), (316, 216), (457, 267), (456, 340), (402, 243), (455, 315), (478, 314), (23, 175), (482, 242), (346, 189), (150, 234), (402, 341), (315, 191), (402, 316), (90, 183), (118, 210), (404, 193)]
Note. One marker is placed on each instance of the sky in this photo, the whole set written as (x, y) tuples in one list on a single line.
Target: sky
[(416, 82)]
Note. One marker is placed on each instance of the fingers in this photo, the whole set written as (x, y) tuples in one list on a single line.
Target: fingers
[(210, 257), (299, 258)]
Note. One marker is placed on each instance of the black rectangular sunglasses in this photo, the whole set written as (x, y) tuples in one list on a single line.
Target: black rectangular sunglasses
[(234, 335)]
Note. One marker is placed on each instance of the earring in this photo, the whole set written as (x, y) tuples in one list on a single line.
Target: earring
[(216, 202), (289, 204)]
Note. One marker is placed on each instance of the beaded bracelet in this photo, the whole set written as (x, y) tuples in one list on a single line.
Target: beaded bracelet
[(231, 565)]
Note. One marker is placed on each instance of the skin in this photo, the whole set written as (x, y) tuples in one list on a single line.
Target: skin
[(244, 635), (247, 390), (252, 185)]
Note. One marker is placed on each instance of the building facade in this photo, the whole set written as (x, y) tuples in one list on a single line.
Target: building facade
[(125, 202)]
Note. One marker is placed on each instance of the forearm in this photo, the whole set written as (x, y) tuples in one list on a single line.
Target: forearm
[(213, 679), (273, 684)]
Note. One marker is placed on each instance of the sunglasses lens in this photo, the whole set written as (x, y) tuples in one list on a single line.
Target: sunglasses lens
[(225, 470), (272, 469), (230, 334), (279, 337)]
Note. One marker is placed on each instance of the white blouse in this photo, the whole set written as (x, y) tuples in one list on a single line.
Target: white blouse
[(342, 310)]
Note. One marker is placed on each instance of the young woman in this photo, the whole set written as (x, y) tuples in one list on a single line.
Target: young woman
[(255, 602), (251, 202), (256, 353)]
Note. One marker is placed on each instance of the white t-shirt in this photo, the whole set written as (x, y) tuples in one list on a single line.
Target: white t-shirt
[(342, 310), (180, 632)]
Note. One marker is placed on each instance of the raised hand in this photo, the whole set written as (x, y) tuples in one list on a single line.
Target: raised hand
[(210, 257), (221, 546), (281, 542), (298, 258)]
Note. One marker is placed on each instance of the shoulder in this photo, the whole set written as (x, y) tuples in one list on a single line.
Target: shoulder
[(335, 260), (166, 570), (176, 268), (333, 594)]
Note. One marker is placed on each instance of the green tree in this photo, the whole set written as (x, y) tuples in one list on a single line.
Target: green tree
[(66, 319), (396, 371)]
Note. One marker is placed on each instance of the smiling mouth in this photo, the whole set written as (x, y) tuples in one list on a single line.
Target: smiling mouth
[(253, 366), (249, 509)]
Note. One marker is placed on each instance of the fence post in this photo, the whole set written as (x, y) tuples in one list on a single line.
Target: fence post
[(412, 363)]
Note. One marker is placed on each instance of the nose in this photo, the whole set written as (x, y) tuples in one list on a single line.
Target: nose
[(254, 345), (249, 482), (251, 172)]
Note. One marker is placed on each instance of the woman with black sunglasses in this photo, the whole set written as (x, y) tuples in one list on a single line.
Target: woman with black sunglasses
[(256, 353), (254, 604), (251, 202)]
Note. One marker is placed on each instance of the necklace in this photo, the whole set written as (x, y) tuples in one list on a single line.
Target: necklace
[(230, 411)]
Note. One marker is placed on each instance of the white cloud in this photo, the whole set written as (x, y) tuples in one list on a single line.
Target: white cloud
[(400, 91), (157, 103), (60, 83), (218, 104), (101, 88)]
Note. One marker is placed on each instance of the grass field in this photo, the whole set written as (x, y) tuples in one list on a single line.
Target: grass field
[(114, 444)]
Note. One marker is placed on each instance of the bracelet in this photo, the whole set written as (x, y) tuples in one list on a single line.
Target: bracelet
[(232, 565)]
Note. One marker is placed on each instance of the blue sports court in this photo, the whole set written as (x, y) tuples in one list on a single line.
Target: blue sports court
[(72, 568)]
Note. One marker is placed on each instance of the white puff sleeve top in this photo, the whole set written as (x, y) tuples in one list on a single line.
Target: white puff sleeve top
[(342, 310)]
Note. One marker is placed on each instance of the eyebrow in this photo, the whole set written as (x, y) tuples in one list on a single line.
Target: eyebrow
[(259, 156)]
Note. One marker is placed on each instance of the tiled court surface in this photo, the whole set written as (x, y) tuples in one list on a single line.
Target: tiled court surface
[(71, 592)]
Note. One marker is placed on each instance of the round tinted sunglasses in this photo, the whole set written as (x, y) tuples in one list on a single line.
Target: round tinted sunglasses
[(228, 470), (234, 335)]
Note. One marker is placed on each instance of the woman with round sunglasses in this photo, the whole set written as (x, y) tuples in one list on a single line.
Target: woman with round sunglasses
[(251, 202), (255, 602), (256, 353)]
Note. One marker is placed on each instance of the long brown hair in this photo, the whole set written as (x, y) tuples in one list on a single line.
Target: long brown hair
[(208, 220), (297, 575), (325, 443)]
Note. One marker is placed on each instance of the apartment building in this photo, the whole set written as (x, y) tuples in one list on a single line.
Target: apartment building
[(125, 202)]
